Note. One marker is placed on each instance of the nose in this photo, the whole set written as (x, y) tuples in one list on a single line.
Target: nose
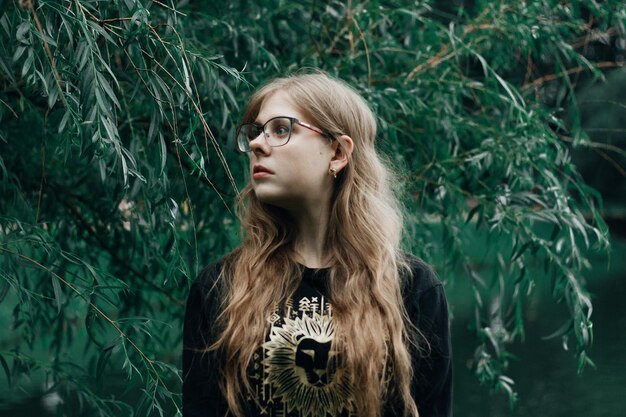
[(259, 144)]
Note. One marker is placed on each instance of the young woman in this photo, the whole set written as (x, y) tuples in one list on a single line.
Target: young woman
[(318, 313)]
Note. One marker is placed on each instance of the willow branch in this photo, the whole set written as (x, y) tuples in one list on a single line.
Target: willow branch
[(551, 77)]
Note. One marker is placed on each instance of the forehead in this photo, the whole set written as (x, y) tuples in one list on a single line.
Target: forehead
[(278, 104)]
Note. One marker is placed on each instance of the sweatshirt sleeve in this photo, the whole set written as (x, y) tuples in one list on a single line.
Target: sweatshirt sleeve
[(201, 392), (432, 362)]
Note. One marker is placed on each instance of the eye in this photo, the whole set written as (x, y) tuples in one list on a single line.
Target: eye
[(280, 131)]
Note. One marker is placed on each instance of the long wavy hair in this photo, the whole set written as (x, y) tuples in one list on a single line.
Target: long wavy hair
[(372, 333)]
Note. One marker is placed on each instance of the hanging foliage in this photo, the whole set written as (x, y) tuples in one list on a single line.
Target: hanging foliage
[(118, 174)]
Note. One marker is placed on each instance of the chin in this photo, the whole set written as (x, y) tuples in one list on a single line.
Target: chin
[(268, 195), (274, 198), (276, 202)]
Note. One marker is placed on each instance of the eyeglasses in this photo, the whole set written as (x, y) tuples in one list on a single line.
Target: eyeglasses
[(277, 132)]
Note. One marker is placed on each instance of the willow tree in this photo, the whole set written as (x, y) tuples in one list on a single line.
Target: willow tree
[(116, 166)]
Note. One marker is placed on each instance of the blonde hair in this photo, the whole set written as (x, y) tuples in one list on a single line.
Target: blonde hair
[(373, 334)]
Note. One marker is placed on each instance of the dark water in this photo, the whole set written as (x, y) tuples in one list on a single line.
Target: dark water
[(545, 375)]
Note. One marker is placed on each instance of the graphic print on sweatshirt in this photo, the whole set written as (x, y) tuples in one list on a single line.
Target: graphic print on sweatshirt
[(299, 369)]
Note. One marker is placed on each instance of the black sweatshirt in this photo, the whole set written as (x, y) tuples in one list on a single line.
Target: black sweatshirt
[(293, 373)]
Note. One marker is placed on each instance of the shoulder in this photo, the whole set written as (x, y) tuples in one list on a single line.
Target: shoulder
[(209, 275), (204, 302), (427, 309), (420, 277), (206, 291), (422, 290)]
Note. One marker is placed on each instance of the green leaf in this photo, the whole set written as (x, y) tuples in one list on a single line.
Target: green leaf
[(64, 120), (7, 372), (58, 294), (19, 51), (4, 289), (28, 63), (52, 96), (103, 107), (107, 89), (22, 33), (561, 331), (105, 355), (163, 154), (100, 31)]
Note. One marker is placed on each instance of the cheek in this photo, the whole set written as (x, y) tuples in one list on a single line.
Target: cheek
[(309, 170), (317, 158)]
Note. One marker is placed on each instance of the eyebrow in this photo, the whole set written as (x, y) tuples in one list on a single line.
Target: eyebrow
[(256, 120)]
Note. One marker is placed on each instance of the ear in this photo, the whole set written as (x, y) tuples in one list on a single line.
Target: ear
[(342, 147)]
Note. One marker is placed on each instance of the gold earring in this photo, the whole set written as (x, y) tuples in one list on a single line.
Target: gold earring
[(334, 172)]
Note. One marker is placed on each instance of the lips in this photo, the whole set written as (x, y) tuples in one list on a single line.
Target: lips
[(261, 168), (259, 171)]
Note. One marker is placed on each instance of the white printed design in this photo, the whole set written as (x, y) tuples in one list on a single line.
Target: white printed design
[(301, 366)]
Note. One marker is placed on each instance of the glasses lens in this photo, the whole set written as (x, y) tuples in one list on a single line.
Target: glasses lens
[(278, 131), (246, 134)]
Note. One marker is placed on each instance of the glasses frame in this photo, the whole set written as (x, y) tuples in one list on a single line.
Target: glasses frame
[(292, 121)]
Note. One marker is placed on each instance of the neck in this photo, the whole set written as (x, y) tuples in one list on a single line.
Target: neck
[(312, 224)]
